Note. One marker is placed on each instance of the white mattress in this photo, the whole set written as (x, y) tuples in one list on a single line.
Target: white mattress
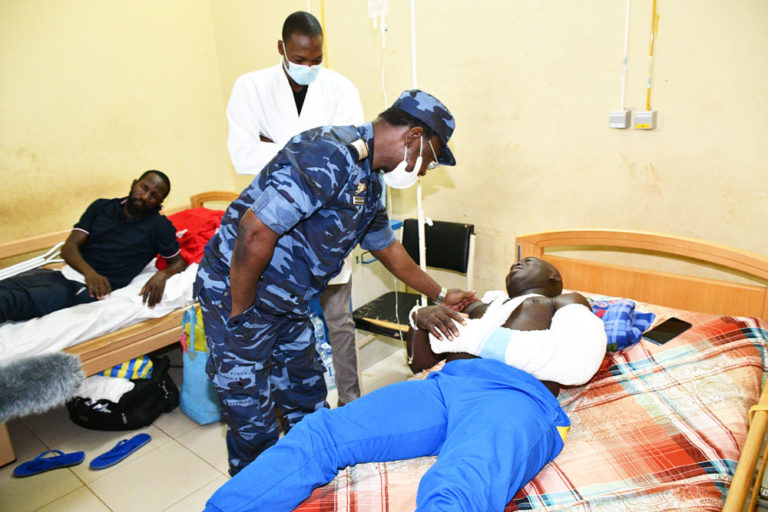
[(67, 327)]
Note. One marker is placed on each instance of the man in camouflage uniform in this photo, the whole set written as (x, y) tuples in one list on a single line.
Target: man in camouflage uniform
[(283, 239)]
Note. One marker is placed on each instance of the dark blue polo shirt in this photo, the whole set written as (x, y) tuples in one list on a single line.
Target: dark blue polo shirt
[(118, 248)]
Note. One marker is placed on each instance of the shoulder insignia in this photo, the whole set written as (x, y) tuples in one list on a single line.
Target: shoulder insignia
[(361, 148)]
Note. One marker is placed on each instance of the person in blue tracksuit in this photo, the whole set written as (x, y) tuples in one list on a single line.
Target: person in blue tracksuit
[(492, 426), (280, 243)]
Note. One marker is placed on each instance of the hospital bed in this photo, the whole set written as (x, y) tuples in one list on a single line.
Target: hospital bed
[(659, 427), (124, 342)]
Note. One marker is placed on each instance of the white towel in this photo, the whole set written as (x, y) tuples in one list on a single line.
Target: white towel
[(99, 387)]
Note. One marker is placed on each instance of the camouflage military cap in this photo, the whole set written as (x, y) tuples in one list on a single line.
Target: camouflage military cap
[(430, 111)]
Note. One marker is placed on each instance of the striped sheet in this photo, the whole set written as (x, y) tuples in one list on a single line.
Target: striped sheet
[(658, 428)]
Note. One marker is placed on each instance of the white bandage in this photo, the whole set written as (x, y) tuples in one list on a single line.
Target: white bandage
[(569, 352), (472, 335)]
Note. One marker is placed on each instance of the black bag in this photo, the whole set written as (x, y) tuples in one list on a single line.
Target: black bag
[(136, 409)]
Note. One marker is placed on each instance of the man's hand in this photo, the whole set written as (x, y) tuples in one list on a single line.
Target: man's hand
[(152, 292), (439, 320), (457, 299), (98, 285)]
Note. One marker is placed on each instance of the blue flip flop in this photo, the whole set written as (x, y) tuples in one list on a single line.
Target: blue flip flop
[(42, 463), (121, 450)]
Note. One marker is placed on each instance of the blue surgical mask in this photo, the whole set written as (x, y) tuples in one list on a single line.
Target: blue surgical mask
[(301, 74)]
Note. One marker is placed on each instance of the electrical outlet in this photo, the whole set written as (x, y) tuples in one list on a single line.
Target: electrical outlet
[(645, 120), (619, 119)]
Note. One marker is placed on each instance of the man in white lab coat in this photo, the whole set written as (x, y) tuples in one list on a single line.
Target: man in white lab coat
[(268, 107)]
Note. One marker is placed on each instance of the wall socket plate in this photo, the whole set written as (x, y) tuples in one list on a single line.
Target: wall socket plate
[(645, 120), (619, 119)]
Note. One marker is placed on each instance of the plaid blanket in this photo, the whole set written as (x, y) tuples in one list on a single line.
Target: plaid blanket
[(658, 428)]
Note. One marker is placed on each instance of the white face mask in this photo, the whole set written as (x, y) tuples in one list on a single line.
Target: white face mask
[(399, 177), (301, 74)]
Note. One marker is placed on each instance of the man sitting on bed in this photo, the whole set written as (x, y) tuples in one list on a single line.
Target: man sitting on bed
[(109, 246), (492, 425)]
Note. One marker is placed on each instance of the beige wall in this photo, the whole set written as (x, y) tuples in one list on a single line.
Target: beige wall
[(91, 92), (94, 93)]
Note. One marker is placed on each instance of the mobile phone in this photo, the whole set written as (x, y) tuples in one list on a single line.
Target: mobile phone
[(666, 330)]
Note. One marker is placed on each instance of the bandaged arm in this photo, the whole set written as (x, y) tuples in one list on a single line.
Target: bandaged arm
[(569, 352)]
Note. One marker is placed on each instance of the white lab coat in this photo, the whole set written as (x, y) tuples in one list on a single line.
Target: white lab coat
[(262, 104)]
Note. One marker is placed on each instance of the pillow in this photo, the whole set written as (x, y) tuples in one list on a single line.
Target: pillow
[(623, 325)]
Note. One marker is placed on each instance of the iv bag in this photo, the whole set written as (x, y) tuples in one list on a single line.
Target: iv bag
[(377, 9)]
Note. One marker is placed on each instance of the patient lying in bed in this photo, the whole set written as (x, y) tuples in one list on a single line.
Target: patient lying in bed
[(109, 246), (493, 426), (568, 351)]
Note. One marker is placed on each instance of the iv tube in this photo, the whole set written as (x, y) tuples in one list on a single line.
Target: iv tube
[(654, 29), (624, 65)]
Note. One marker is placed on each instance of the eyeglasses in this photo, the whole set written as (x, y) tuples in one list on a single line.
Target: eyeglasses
[(433, 164)]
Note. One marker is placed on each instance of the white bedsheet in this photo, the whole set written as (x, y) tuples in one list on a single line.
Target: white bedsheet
[(64, 328)]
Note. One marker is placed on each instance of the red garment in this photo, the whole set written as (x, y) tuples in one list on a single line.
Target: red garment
[(194, 227)]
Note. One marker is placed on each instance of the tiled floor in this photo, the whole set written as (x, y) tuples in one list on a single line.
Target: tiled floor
[(176, 472)]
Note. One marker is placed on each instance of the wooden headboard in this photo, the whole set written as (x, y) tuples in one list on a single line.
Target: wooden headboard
[(666, 289)]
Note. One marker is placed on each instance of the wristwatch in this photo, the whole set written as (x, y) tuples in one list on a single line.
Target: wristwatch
[(441, 297)]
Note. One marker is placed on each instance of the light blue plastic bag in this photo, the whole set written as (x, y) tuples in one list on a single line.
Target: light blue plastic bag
[(322, 344), (198, 398)]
